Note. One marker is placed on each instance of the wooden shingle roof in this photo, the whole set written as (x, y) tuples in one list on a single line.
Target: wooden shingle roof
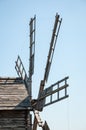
[(13, 94)]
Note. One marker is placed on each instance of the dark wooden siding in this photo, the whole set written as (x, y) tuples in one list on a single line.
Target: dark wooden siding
[(15, 120)]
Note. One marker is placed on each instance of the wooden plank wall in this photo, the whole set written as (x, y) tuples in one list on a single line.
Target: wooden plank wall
[(15, 120), (13, 94)]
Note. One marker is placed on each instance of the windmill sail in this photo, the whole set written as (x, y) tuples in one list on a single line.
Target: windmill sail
[(51, 52), (56, 92), (32, 45), (52, 45), (22, 73), (55, 33), (45, 126), (32, 52), (39, 121), (20, 69)]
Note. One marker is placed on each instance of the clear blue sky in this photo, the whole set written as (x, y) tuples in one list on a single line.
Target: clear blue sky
[(70, 53)]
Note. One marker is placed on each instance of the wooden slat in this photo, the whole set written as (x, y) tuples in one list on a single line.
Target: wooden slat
[(8, 80), (8, 128), (15, 108), (12, 113), (13, 92), (12, 97)]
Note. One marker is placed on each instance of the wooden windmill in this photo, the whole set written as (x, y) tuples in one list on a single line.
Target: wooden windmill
[(37, 105)]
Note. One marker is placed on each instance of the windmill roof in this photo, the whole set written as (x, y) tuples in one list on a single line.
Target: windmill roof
[(13, 94)]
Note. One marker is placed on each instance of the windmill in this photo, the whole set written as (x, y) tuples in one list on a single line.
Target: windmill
[(38, 104)]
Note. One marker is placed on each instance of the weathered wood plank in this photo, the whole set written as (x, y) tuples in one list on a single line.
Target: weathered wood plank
[(8, 80), (15, 108), (14, 120), (14, 93), (16, 87), (14, 128), (9, 103), (12, 113), (13, 97)]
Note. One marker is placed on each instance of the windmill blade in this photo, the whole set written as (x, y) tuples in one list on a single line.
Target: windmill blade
[(22, 73), (35, 123), (52, 46), (32, 45), (20, 68), (51, 52), (56, 92), (38, 121), (45, 126)]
